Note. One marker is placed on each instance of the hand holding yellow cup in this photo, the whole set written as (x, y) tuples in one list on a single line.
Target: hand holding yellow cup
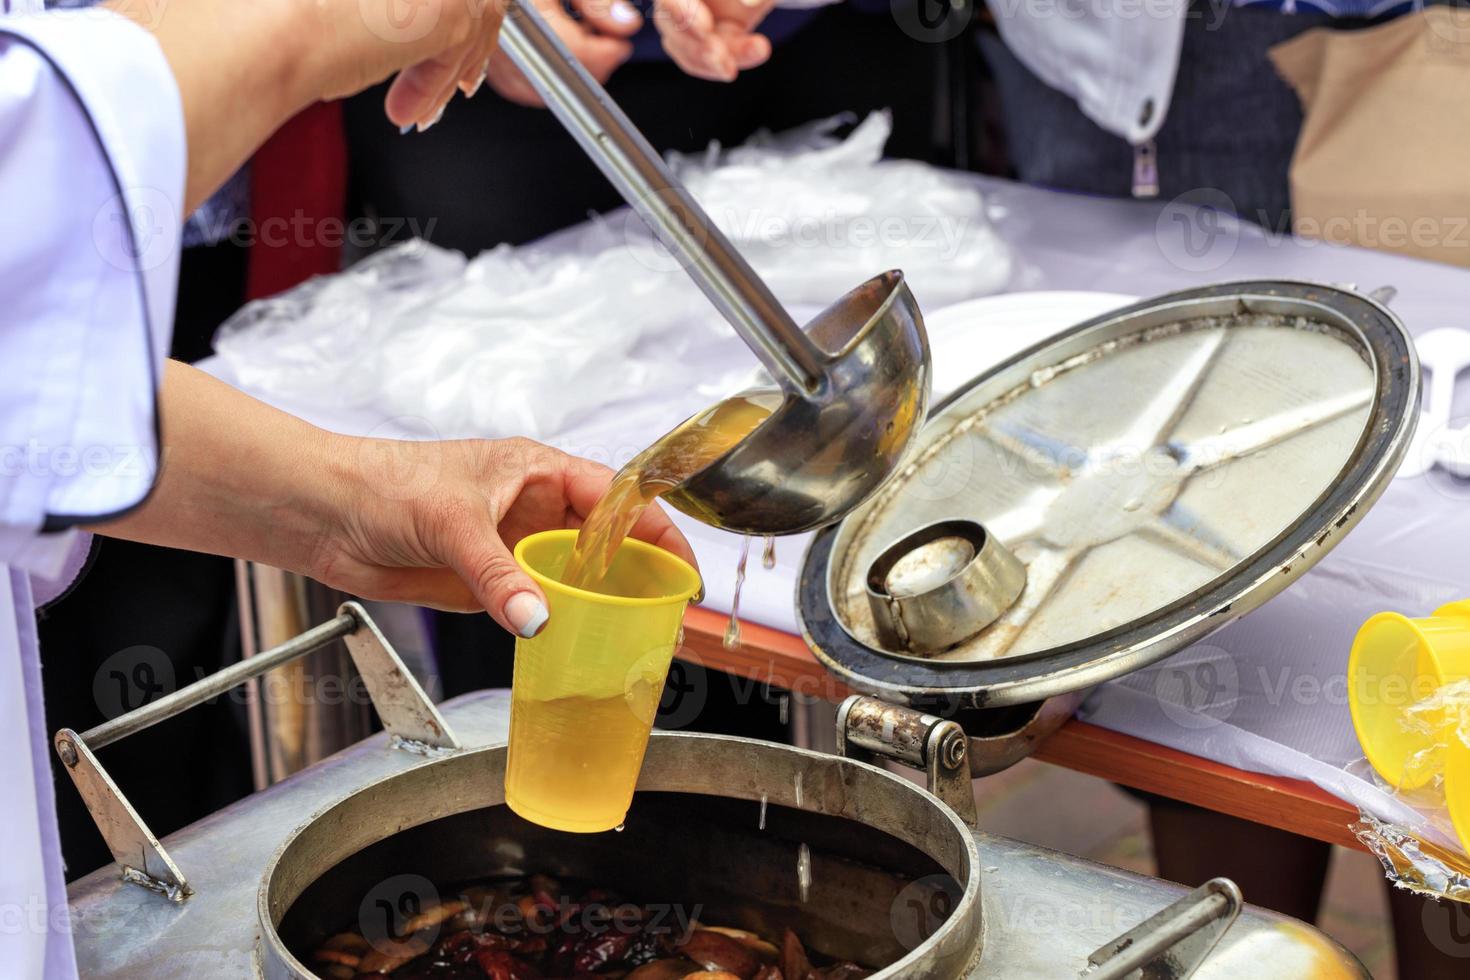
[(586, 688)]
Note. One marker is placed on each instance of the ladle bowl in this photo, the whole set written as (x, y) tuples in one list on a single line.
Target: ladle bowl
[(822, 453), (856, 380)]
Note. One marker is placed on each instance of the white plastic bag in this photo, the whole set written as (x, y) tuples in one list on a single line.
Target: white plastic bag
[(538, 339)]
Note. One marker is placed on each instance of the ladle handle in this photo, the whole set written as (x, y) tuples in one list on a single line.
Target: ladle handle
[(640, 175)]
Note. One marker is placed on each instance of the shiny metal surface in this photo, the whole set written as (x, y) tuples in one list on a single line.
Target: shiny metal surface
[(1000, 742), (816, 458), (1044, 912), (857, 379), (711, 766), (876, 731), (1172, 944), (408, 715), (940, 585), (289, 732), (1160, 470), (211, 687)]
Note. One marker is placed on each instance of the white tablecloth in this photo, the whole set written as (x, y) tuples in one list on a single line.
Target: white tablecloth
[(1267, 693)]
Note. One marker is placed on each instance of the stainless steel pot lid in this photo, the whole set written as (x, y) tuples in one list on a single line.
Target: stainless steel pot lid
[(1160, 470)]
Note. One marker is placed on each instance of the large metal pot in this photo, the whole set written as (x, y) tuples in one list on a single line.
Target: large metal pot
[(675, 848), (273, 873)]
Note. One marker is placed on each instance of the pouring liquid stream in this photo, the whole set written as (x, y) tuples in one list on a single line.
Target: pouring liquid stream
[(732, 631), (594, 786), (661, 467)]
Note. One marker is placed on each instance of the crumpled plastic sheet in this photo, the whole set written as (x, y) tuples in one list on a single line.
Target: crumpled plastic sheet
[(1425, 856), (534, 339)]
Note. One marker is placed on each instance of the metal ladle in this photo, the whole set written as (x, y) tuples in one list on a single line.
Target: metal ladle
[(856, 382)]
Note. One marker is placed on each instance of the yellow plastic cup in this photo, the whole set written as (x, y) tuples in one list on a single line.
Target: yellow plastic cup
[(1457, 785), (585, 690), (1395, 663)]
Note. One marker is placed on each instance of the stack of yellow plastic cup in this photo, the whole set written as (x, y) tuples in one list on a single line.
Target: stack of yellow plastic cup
[(1397, 663), (586, 689)]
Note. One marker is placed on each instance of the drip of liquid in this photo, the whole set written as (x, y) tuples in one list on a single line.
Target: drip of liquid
[(661, 467), (619, 828), (762, 824), (768, 557), (803, 872), (732, 632)]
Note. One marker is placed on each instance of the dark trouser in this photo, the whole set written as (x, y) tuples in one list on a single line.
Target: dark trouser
[(492, 172), (140, 614), (1231, 127)]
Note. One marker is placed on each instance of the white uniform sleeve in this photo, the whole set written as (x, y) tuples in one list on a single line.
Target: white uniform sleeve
[(92, 169)]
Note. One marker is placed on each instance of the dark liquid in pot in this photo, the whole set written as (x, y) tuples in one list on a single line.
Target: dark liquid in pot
[(537, 928)]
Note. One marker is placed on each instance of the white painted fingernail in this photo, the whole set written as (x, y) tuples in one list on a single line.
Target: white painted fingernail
[(624, 13), (405, 128), (526, 614), (437, 116)]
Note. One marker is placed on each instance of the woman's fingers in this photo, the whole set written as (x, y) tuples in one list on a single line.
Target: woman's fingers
[(600, 55), (701, 56), (420, 92), (707, 45), (436, 588), (674, 17), (508, 594), (747, 49), (477, 65), (470, 58), (614, 18), (415, 94)]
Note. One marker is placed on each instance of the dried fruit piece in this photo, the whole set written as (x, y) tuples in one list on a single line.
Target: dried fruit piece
[(325, 955), (794, 963), (347, 942), (389, 955), (748, 939), (433, 915), (716, 951), (664, 970)]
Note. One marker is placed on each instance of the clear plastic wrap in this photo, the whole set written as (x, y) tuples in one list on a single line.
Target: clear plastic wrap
[(1416, 737), (532, 340), (816, 216)]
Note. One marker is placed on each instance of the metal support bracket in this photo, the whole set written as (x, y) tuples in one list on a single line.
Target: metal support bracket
[(1172, 944), (408, 715), (870, 729)]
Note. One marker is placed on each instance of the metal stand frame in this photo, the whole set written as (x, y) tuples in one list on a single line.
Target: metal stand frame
[(404, 709)]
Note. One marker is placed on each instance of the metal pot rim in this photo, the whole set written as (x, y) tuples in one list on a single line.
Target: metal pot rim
[(960, 937), (1382, 340)]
